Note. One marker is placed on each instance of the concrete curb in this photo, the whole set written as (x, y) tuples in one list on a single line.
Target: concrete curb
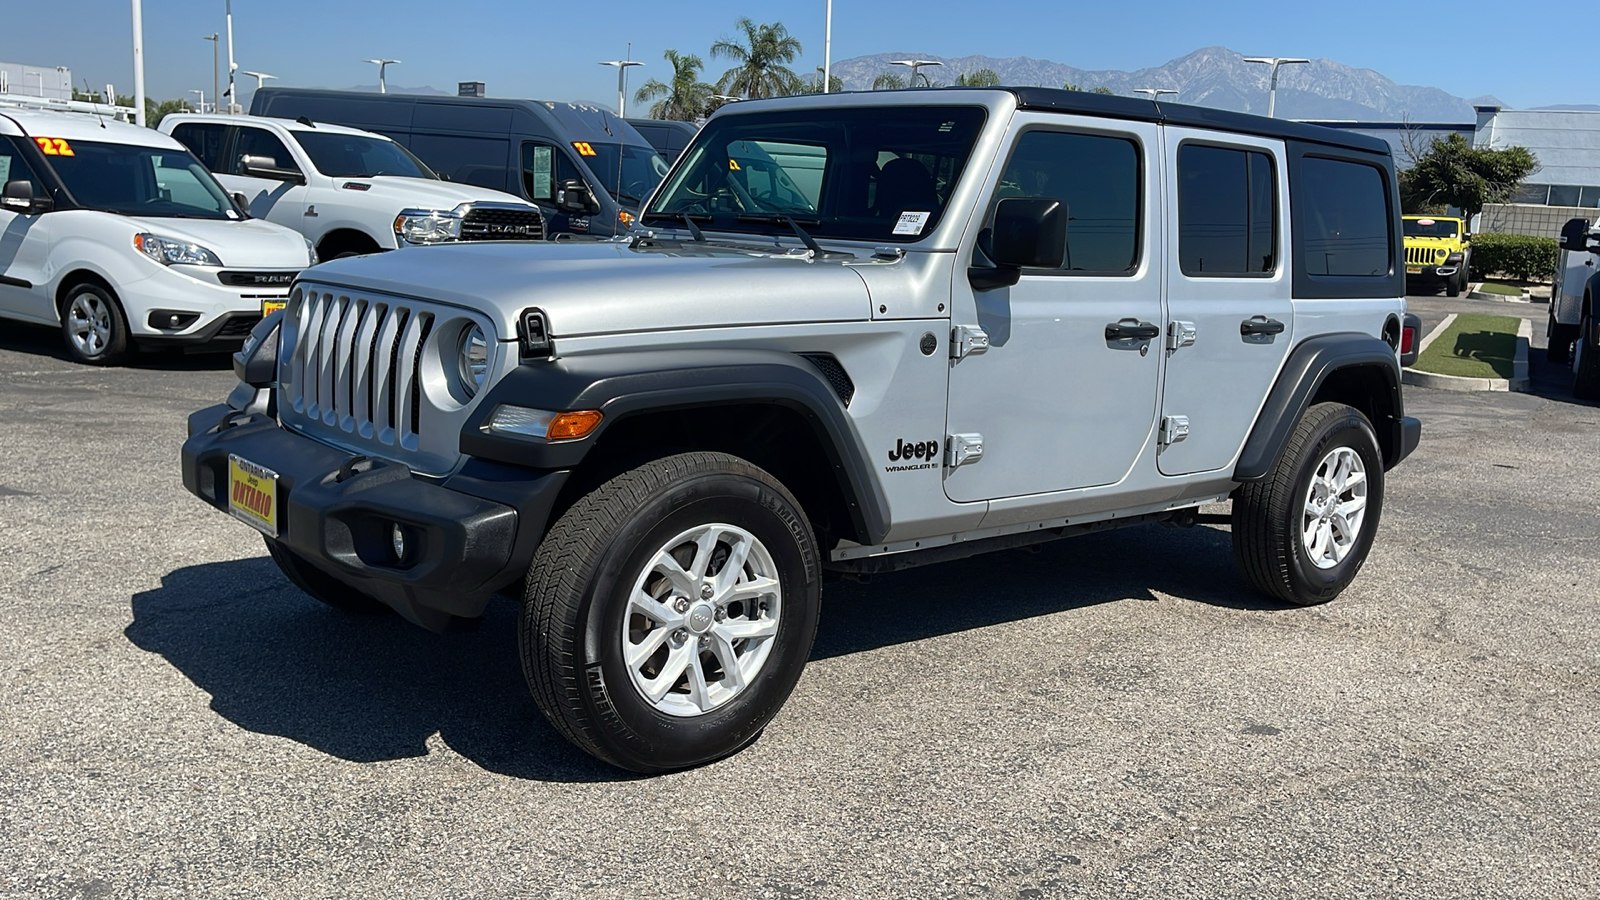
[(1524, 297), (1519, 366)]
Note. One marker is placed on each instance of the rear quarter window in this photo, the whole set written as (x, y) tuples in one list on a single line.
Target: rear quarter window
[(1345, 213)]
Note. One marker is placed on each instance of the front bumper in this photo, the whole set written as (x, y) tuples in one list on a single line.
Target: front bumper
[(209, 310), (1431, 272), (467, 535)]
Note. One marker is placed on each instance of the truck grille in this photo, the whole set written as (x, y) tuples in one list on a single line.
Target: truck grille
[(1425, 256), (357, 371), (501, 224)]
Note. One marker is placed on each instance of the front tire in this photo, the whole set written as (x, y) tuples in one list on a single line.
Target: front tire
[(1454, 285), (668, 614), (1586, 365), (94, 327), (1558, 348), (1302, 534)]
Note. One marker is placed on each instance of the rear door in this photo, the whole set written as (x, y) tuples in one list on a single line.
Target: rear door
[(1228, 295)]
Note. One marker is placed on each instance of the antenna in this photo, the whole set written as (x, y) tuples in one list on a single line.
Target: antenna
[(90, 94)]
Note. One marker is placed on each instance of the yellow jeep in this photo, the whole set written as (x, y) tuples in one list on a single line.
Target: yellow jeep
[(1438, 249)]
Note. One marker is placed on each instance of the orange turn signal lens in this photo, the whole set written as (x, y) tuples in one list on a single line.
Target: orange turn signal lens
[(570, 426)]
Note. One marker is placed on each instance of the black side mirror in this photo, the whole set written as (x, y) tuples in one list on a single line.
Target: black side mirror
[(266, 167), (1028, 233), (17, 196), (241, 201), (1575, 235), (575, 198)]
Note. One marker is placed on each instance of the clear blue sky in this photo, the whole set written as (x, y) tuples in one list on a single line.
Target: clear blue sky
[(549, 50)]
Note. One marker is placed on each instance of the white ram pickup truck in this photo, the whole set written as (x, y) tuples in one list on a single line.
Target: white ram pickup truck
[(350, 192)]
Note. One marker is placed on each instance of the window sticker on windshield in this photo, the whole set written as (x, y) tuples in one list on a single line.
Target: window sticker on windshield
[(5, 169), (1426, 222), (54, 146), (911, 222), (733, 165), (584, 148)]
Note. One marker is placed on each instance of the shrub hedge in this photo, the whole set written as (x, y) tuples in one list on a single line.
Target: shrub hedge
[(1518, 256)]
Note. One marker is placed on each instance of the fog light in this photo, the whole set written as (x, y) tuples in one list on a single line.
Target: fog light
[(398, 537)]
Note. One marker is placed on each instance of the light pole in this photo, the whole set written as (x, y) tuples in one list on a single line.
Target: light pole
[(216, 83), (827, 50), (138, 64), (916, 69), (1272, 81), (259, 77), (1154, 93), (202, 94), (232, 66), (383, 66), (623, 65)]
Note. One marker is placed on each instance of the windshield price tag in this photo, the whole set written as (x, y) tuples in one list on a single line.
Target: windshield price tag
[(584, 148), (53, 146), (911, 223)]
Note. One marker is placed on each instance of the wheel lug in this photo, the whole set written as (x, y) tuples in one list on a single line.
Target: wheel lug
[(679, 636), (706, 591), (722, 615), (681, 604)]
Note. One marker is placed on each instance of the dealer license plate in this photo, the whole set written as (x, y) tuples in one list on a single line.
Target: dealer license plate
[(1413, 270), (268, 307), (253, 495)]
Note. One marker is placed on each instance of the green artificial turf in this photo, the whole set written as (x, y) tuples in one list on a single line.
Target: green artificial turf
[(1473, 346), (1505, 290)]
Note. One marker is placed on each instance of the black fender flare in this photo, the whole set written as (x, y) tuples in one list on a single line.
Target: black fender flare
[(628, 383), (1309, 365)]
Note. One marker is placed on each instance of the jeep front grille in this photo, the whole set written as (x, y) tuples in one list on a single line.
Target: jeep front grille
[(362, 371), (490, 223), (1425, 256)]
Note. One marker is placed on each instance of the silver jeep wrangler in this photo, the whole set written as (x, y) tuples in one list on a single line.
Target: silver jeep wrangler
[(855, 333)]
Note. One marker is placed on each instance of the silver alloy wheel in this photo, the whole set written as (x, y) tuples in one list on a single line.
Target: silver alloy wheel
[(701, 619), (1335, 507), (89, 323)]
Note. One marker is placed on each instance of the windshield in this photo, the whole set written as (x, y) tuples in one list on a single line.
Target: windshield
[(642, 169), (359, 156), (882, 174), (140, 181), (1434, 228)]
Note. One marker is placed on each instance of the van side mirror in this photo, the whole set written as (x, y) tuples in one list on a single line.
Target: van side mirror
[(575, 198), (17, 197), (1575, 235), (266, 167), (1028, 233)]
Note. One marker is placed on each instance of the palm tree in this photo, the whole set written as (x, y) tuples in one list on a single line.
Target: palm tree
[(979, 78), (889, 81), (685, 98), (760, 70)]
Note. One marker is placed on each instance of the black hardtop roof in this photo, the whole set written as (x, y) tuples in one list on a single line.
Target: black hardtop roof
[(584, 122)]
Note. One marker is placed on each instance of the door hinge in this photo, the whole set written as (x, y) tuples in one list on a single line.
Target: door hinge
[(968, 340), (1180, 335), (961, 449), (1173, 430)]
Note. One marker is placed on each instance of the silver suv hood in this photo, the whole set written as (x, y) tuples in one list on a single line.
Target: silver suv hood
[(605, 287)]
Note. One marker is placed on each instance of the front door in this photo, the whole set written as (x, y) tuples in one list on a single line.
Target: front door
[(1228, 297), (282, 202), (24, 244), (1060, 400)]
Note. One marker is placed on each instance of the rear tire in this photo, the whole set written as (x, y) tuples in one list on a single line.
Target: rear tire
[(94, 326), (638, 660), (1302, 534), (1586, 367), (320, 585)]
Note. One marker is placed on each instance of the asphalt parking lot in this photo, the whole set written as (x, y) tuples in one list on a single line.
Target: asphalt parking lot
[(1114, 716)]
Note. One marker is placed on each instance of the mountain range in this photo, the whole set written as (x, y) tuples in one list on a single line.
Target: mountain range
[(1212, 76)]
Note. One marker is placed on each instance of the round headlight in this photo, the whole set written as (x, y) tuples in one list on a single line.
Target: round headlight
[(472, 358)]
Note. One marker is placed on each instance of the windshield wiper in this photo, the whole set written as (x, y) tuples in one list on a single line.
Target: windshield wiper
[(684, 217), (785, 218)]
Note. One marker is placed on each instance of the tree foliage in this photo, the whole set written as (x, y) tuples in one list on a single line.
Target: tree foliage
[(685, 97), (1452, 172), (889, 81), (760, 61), (979, 78), (1102, 89)]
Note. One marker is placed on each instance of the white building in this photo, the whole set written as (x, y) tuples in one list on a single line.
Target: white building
[(1567, 184), (50, 82)]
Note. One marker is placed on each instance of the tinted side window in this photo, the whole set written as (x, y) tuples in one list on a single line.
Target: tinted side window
[(258, 142), (14, 167), (1346, 218), (204, 140), (1227, 212), (1097, 179), (543, 167)]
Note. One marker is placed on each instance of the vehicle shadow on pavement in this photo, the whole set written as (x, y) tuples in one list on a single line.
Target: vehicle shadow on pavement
[(372, 688), (42, 340)]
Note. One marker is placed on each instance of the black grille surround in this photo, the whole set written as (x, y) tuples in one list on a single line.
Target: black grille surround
[(238, 326), (502, 223), (257, 279), (834, 372)]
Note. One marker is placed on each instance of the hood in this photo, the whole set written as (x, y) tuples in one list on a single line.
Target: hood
[(426, 193), (604, 287), (246, 243)]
